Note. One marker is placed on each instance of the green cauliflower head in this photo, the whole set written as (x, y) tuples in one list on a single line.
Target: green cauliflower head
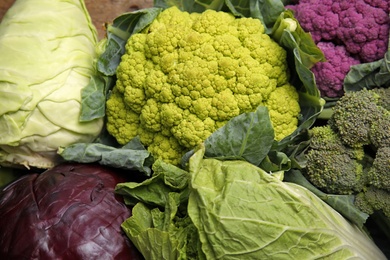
[(186, 75)]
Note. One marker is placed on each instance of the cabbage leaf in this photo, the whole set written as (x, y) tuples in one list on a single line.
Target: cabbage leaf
[(235, 210)]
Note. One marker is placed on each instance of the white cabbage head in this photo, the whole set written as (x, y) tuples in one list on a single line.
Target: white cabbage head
[(47, 51)]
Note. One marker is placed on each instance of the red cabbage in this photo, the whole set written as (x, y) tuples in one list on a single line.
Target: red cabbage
[(67, 212)]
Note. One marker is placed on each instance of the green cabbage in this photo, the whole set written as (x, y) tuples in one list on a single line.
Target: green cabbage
[(249, 213), (234, 210), (47, 50)]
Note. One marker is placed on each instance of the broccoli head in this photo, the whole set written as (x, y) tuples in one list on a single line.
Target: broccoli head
[(361, 118), (187, 74), (350, 154), (352, 150), (333, 167)]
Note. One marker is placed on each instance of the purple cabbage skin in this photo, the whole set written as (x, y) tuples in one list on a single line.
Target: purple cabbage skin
[(67, 212)]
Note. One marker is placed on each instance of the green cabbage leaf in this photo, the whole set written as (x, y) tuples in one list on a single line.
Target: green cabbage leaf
[(235, 210)]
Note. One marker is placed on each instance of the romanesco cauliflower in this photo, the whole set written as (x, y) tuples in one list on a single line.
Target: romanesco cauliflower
[(186, 75)]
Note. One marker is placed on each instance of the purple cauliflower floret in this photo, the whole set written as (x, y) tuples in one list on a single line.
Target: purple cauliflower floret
[(331, 73), (317, 17), (362, 26), (364, 30), (358, 30)]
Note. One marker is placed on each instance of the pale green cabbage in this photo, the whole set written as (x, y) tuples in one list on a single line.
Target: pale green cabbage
[(230, 209), (242, 212), (47, 50)]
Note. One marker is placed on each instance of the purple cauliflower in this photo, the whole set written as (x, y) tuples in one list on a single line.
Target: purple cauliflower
[(361, 27), (330, 74)]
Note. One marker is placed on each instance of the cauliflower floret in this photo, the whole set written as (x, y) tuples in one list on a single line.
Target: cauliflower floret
[(348, 32), (186, 75), (330, 74), (122, 122), (215, 23), (284, 110), (362, 26), (167, 146), (191, 131)]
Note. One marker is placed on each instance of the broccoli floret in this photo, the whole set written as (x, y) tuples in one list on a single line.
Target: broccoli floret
[(380, 132), (361, 118), (332, 166), (379, 173), (372, 200)]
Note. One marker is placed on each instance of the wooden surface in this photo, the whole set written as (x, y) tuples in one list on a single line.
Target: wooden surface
[(101, 11)]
